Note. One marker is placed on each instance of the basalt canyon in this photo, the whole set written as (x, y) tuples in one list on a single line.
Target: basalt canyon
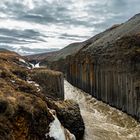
[(107, 66), (88, 90)]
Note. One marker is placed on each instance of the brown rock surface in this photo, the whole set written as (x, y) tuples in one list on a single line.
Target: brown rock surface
[(68, 112), (51, 82)]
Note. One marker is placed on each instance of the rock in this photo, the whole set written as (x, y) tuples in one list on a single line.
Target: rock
[(57, 131), (23, 116), (68, 112), (51, 82)]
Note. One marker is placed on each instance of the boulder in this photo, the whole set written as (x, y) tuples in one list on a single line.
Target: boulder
[(68, 112)]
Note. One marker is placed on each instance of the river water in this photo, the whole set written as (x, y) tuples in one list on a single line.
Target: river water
[(102, 122)]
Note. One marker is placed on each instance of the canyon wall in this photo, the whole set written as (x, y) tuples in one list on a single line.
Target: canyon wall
[(109, 75)]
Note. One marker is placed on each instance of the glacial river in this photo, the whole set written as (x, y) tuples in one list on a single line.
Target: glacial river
[(102, 122)]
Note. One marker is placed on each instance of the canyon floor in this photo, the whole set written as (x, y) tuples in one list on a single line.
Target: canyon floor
[(102, 122)]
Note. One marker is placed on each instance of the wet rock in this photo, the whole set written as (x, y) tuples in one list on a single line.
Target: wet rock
[(68, 112)]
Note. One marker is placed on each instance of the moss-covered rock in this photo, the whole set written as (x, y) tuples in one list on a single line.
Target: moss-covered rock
[(51, 82), (68, 112)]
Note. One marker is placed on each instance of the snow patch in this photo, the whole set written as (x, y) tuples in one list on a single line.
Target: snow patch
[(56, 130), (13, 81), (34, 65), (37, 65), (69, 135), (22, 60), (29, 66), (35, 84)]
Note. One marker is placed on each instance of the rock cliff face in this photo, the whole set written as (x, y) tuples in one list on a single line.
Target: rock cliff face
[(68, 113), (27, 102), (52, 82)]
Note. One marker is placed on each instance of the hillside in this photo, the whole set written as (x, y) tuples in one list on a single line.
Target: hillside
[(41, 57), (98, 41), (29, 106), (56, 55)]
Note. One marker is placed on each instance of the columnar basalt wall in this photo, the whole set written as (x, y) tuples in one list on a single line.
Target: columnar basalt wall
[(51, 82), (112, 76), (116, 83)]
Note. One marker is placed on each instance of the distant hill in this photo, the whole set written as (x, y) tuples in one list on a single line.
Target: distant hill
[(41, 56), (3, 50)]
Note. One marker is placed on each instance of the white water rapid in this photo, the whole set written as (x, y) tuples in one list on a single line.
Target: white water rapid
[(102, 122)]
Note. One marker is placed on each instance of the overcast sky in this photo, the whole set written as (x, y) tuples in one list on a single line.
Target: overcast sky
[(34, 26)]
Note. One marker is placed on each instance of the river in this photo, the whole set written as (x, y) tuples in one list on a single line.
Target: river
[(102, 122)]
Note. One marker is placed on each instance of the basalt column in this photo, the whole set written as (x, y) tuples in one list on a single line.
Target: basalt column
[(117, 85)]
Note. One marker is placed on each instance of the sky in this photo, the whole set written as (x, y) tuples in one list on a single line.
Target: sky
[(36, 26)]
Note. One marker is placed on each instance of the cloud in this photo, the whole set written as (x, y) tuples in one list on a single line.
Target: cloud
[(56, 23)]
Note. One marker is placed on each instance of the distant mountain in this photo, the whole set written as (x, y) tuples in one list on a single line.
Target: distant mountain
[(12, 53), (56, 55)]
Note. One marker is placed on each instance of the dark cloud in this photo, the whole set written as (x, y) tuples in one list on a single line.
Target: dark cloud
[(26, 51), (26, 34), (63, 11), (21, 37)]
